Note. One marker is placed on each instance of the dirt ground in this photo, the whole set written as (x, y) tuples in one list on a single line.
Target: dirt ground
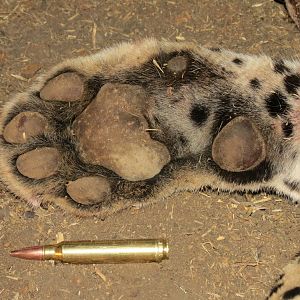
[(221, 246)]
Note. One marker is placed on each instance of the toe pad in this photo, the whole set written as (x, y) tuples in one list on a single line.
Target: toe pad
[(39, 163), (239, 146), (66, 87), (89, 190), (24, 126)]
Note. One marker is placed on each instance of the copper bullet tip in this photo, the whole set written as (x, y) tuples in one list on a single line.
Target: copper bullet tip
[(33, 253)]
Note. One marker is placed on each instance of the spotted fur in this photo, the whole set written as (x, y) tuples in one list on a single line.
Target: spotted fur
[(288, 284), (190, 109), (202, 106)]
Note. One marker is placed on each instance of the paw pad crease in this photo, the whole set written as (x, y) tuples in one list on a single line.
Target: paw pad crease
[(239, 146), (111, 132), (39, 163), (24, 126)]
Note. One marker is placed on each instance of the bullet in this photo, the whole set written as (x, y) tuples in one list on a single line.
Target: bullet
[(97, 252)]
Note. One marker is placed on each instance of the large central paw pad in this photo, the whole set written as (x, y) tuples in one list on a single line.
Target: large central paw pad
[(73, 155), (112, 132)]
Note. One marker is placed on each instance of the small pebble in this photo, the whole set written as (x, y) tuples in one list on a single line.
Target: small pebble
[(29, 214)]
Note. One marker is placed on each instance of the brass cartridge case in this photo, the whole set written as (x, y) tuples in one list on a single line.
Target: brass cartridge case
[(107, 251)]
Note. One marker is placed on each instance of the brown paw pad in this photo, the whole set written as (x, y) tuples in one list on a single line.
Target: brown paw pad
[(89, 190), (39, 163), (24, 126), (177, 65), (239, 146), (66, 87), (112, 132)]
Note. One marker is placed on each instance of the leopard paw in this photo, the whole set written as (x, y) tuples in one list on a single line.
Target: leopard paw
[(81, 144)]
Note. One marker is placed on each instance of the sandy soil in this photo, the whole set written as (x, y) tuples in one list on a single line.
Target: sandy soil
[(221, 246)]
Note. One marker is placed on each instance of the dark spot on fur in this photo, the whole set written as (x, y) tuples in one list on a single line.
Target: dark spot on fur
[(280, 67), (281, 276), (255, 83), (277, 104), (222, 115), (215, 49), (291, 294), (275, 289), (287, 129), (237, 61), (281, 2), (183, 141), (199, 114), (294, 186), (292, 82)]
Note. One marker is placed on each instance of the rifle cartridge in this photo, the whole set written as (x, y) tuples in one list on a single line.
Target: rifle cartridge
[(106, 251)]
